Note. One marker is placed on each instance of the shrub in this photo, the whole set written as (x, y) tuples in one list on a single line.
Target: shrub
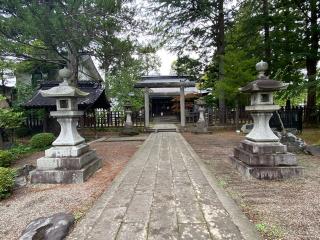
[(22, 132), (6, 158), (20, 150), (7, 176), (42, 140)]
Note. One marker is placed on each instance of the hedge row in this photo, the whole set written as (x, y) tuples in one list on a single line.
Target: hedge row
[(7, 176)]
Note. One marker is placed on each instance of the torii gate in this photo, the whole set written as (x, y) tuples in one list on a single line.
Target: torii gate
[(148, 82)]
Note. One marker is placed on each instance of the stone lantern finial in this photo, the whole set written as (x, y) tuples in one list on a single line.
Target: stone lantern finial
[(65, 74), (262, 67)]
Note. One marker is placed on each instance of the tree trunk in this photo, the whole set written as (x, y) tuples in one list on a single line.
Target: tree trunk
[(220, 56), (312, 60), (267, 43), (1, 139), (73, 64), (3, 87), (237, 113)]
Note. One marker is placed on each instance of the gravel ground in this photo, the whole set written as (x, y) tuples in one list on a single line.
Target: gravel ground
[(288, 209), (33, 201)]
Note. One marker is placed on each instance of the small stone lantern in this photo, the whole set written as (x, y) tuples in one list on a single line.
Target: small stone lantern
[(128, 112), (201, 123), (262, 155), (70, 160)]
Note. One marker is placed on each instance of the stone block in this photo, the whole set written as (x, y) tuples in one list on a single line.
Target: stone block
[(263, 148), (66, 176), (272, 159), (246, 128), (67, 151), (74, 163), (266, 172)]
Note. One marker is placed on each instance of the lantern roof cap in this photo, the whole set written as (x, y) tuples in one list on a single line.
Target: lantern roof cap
[(263, 83), (64, 89)]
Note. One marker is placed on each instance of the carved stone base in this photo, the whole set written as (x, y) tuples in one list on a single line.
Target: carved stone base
[(66, 165), (201, 127), (268, 160), (265, 172)]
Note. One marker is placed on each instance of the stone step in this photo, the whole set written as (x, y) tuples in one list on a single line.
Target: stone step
[(166, 130), (155, 130)]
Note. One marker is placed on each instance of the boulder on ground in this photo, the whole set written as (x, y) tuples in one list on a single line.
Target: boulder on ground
[(314, 150), (294, 143), (22, 175), (55, 227), (246, 128)]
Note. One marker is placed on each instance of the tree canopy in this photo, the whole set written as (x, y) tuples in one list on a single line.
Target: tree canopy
[(61, 31)]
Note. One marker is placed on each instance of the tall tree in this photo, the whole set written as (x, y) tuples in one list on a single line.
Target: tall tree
[(311, 12), (60, 31), (194, 26), (272, 31)]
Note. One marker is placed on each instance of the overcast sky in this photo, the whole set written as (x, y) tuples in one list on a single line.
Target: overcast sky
[(167, 59)]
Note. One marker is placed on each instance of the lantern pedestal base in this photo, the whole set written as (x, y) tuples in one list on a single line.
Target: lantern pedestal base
[(64, 164), (269, 160), (129, 131), (201, 127)]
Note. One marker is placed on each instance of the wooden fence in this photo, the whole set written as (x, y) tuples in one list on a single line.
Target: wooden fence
[(103, 119), (213, 117), (291, 117), (33, 121), (95, 119)]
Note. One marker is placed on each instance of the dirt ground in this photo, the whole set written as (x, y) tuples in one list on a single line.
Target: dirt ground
[(33, 201), (288, 209)]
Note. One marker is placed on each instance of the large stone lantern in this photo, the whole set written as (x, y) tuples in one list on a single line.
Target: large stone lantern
[(70, 160), (261, 154)]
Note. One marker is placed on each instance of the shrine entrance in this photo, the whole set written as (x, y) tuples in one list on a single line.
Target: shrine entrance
[(162, 106), (159, 92)]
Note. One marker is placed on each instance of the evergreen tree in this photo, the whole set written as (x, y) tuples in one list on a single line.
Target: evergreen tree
[(61, 31), (195, 26)]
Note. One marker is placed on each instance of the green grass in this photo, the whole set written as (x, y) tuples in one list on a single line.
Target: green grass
[(270, 231), (311, 136), (222, 183)]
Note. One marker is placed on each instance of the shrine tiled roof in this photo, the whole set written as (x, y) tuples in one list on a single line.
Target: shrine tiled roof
[(95, 99), (165, 81)]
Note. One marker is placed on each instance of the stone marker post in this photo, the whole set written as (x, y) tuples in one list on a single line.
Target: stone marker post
[(70, 160), (262, 155)]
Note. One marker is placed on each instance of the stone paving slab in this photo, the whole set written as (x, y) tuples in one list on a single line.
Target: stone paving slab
[(163, 193), (126, 139)]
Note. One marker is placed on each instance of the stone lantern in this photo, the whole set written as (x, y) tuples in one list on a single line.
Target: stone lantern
[(70, 160), (261, 154), (128, 112), (201, 123)]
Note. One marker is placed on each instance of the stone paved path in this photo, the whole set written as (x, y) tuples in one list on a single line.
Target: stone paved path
[(162, 194)]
